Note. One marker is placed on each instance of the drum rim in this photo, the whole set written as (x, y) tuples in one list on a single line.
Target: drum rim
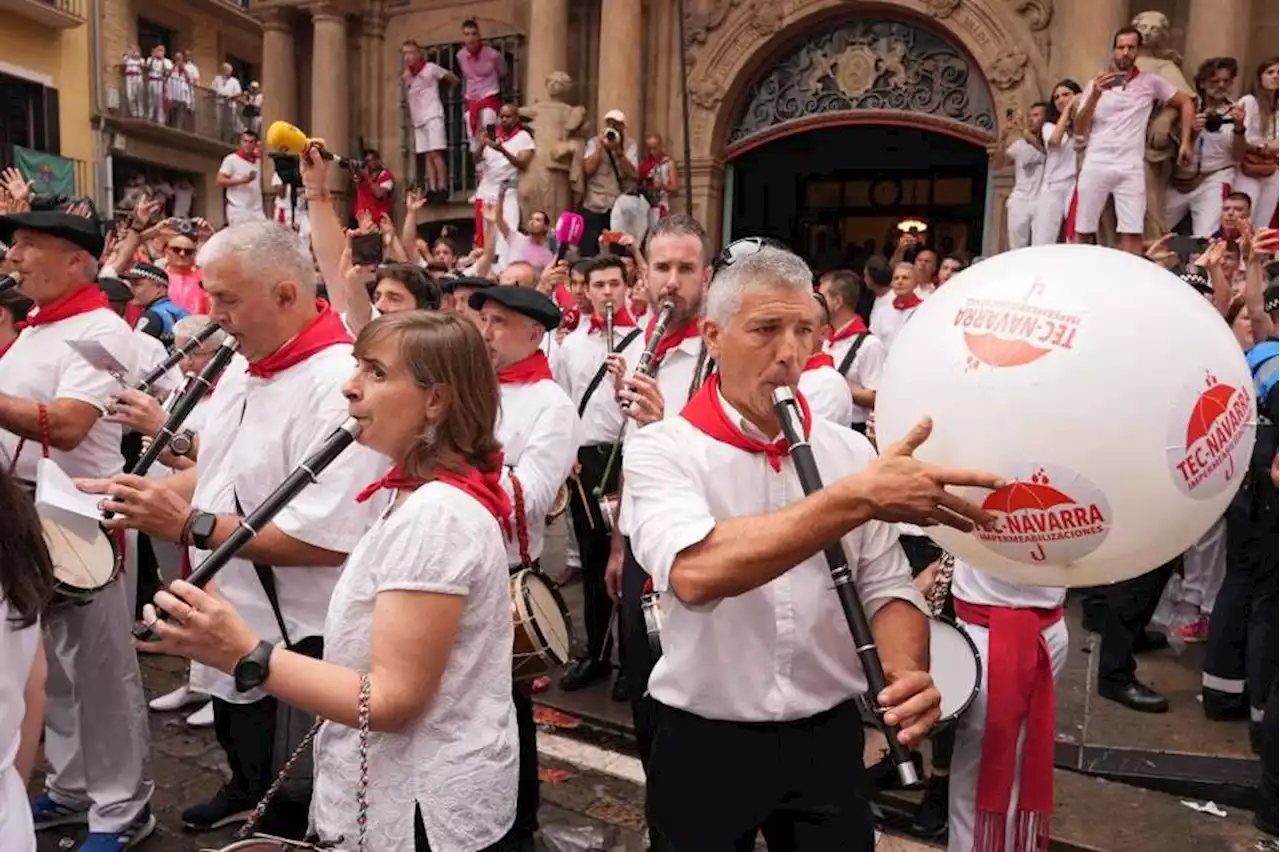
[(526, 613), (977, 663), (69, 589)]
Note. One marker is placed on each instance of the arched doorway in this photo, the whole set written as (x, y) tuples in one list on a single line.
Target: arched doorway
[(857, 128)]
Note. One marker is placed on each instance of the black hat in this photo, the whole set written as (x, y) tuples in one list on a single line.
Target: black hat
[(522, 300), (1271, 299), (146, 270), (471, 282), (115, 289), (82, 231)]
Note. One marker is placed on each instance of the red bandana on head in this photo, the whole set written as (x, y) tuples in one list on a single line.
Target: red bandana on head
[(708, 416), (853, 327), (322, 332), (906, 303), (621, 319), (486, 488), (79, 301), (534, 368), (672, 339), (822, 359)]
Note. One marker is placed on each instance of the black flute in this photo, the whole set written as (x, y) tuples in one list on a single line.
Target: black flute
[(149, 380), (305, 474), (186, 404), (792, 420)]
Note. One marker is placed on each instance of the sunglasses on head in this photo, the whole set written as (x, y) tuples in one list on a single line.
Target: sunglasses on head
[(738, 249)]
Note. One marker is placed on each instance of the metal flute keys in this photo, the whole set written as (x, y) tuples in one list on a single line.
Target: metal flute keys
[(608, 326), (792, 420), (305, 474), (644, 365), (188, 348)]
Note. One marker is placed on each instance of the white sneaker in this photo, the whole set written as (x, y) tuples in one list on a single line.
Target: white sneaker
[(202, 718), (183, 696)]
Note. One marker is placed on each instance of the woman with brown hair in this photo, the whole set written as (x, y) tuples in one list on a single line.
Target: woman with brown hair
[(26, 587), (418, 635), (1256, 174)]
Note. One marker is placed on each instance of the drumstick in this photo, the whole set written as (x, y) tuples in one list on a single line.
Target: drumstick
[(793, 427)]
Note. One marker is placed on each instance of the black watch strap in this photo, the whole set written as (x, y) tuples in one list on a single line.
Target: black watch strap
[(202, 527), (252, 669)]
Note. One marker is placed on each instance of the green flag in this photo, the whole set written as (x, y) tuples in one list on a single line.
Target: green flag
[(47, 172)]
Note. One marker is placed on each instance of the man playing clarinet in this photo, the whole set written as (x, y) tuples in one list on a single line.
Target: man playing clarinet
[(757, 727)]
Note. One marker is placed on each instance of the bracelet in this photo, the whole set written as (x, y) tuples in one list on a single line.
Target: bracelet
[(185, 538), (319, 195)]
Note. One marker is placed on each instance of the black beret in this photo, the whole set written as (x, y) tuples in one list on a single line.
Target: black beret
[(522, 300)]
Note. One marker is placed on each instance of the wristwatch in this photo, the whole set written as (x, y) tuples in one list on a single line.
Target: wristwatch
[(182, 443), (201, 529), (251, 670)]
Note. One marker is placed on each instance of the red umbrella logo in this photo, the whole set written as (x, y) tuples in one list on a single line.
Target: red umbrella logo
[(1032, 514), (1035, 494), (998, 352), (1211, 405)]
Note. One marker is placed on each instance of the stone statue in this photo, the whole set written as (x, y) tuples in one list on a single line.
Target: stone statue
[(1156, 57), (554, 178)]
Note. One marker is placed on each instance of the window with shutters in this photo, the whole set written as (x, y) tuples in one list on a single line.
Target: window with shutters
[(28, 117)]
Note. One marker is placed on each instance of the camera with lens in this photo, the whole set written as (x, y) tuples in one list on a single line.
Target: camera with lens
[(1213, 121), (612, 136), (349, 163), (185, 227)]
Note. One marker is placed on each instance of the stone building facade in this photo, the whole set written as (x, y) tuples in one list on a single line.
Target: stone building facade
[(332, 66)]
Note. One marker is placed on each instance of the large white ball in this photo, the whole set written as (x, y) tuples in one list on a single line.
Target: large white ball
[(1110, 395)]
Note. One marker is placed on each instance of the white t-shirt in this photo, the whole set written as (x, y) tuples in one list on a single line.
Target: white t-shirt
[(458, 760), (865, 370), (226, 88), (245, 200), (497, 170), (1028, 169), (828, 396), (18, 652), (1059, 162), (1119, 132), (423, 94)]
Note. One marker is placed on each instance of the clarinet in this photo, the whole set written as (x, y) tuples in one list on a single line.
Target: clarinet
[(149, 380), (186, 404), (792, 420), (608, 326), (306, 473)]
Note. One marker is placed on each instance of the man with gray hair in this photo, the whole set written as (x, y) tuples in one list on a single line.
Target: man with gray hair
[(754, 694), (271, 409)]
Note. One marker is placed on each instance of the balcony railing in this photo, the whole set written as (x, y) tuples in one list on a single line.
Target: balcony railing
[(60, 14), (462, 171), (178, 105)]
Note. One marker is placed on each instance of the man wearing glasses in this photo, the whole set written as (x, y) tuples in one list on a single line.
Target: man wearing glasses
[(185, 289)]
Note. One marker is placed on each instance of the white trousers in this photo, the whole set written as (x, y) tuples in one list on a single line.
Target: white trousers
[(133, 94), (1020, 213), (155, 101), (96, 735), (1050, 212), (1204, 203), (1262, 192), (967, 758), (1203, 567)]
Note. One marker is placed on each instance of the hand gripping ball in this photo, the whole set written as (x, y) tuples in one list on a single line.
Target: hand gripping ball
[(1110, 395)]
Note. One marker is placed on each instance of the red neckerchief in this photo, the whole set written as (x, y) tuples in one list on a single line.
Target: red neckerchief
[(1020, 686), (505, 135), (247, 156), (906, 303), (672, 339), (708, 416), (569, 319), (415, 68), (322, 332), (822, 359), (853, 327), (486, 488), (1128, 75), (621, 319), (82, 300), (531, 369), (644, 309)]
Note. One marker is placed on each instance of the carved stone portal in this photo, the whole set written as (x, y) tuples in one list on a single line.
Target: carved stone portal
[(871, 65)]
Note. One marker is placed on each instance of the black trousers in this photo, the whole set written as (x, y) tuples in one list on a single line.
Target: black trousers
[(712, 785), (1122, 611), (594, 540), (507, 843), (1268, 791), (634, 652), (528, 796), (246, 733)]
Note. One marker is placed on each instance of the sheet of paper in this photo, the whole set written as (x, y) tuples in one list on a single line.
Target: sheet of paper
[(58, 499), (101, 358)]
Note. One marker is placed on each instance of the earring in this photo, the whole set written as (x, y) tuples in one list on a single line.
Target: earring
[(428, 436)]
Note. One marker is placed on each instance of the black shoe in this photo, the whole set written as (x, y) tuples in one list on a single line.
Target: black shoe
[(582, 672), (930, 818), (1151, 640), (1135, 696), (620, 690), (1217, 708), (227, 807)]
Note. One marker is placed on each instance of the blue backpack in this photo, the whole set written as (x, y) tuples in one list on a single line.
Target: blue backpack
[(1264, 364)]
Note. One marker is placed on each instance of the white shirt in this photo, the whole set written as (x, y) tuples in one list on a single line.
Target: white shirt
[(1028, 169), (244, 201), (255, 433), (1060, 161), (1118, 136), (578, 358), (149, 352), (879, 307), (781, 651), (974, 586), (41, 367), (888, 320), (865, 370), (226, 88), (18, 651), (1254, 132), (497, 170), (423, 94), (538, 430), (828, 395), (158, 69), (133, 65), (458, 760)]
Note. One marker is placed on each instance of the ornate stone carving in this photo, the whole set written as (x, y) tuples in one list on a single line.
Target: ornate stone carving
[(705, 93), (941, 8), (867, 65), (555, 175), (1038, 13), (767, 16), (1008, 71), (703, 16)]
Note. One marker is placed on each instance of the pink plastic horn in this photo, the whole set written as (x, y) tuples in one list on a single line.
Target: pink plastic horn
[(569, 228)]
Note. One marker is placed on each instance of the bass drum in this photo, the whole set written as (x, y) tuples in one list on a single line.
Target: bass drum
[(542, 630), (83, 564), (267, 843)]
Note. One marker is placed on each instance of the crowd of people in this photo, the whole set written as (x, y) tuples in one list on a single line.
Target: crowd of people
[(164, 90), (629, 377)]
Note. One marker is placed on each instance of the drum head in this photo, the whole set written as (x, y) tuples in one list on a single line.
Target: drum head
[(955, 667), (79, 562), (537, 603)]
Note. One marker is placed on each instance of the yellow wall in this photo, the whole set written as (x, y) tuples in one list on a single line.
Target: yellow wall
[(62, 55)]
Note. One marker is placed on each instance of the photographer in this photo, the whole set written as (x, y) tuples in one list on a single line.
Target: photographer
[(609, 163), (1197, 188), (374, 185)]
